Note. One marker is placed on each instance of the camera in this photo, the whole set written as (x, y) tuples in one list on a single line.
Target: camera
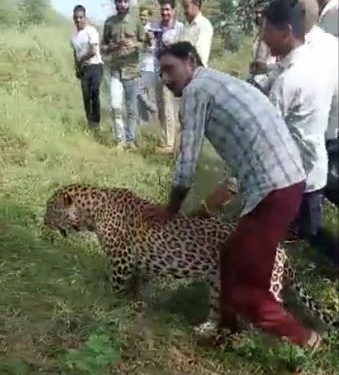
[(157, 31)]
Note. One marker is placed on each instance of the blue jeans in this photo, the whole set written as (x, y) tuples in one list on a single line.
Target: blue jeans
[(123, 93), (147, 96)]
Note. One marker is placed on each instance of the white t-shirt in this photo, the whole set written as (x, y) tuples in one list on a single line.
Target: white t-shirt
[(325, 46), (200, 34), (302, 94), (81, 40)]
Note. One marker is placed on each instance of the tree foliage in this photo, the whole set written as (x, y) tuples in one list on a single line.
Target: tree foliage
[(236, 19)]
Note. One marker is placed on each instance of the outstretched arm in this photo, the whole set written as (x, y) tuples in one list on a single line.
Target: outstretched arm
[(193, 116), (193, 113), (219, 197)]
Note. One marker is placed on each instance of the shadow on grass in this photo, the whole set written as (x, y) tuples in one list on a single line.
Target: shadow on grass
[(188, 302), (52, 296)]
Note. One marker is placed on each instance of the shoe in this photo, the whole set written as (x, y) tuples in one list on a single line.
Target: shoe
[(164, 150), (208, 335), (131, 146), (314, 343)]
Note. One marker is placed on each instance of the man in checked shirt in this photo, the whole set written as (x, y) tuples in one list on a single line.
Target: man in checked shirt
[(247, 132)]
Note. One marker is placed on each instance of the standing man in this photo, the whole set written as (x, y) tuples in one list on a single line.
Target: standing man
[(305, 105), (262, 60), (148, 78), (198, 29), (88, 64), (122, 36), (325, 45), (329, 14), (166, 32), (250, 136)]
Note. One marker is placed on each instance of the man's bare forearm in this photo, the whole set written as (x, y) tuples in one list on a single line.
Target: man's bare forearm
[(88, 55), (219, 197)]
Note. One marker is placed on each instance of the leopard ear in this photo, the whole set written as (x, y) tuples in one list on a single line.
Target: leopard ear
[(65, 200)]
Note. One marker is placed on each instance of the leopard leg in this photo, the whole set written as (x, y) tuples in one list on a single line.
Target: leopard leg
[(121, 270), (208, 333), (214, 283)]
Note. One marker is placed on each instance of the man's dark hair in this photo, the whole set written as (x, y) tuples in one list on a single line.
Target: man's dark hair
[(79, 8), (284, 13), (171, 3), (182, 51)]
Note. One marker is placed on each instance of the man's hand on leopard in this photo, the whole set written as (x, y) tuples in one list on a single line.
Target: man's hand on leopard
[(202, 212)]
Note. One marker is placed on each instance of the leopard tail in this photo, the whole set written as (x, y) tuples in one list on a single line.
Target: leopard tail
[(326, 316)]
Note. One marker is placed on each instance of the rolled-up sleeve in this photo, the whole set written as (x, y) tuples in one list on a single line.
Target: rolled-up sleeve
[(193, 115)]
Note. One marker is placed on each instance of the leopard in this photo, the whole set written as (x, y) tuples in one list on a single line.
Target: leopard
[(182, 248)]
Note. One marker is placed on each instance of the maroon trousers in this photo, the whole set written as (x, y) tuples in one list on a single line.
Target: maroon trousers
[(247, 263)]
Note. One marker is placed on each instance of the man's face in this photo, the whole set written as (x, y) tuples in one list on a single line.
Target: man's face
[(277, 40), (191, 10), (167, 12), (176, 73), (122, 6), (79, 19), (144, 16)]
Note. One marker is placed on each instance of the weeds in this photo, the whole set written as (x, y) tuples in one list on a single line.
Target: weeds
[(58, 314)]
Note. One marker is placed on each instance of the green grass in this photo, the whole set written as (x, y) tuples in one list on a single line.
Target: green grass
[(57, 312)]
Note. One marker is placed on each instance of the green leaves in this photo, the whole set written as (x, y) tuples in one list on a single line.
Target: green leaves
[(95, 355), (236, 19)]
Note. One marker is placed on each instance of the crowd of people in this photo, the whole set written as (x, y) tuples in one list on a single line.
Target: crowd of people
[(272, 131), (127, 53)]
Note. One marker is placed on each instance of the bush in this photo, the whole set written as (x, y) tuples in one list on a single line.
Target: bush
[(33, 12), (236, 20)]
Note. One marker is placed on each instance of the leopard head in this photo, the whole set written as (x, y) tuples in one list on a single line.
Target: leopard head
[(69, 210)]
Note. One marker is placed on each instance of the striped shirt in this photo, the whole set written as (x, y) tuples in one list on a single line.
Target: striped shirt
[(245, 130)]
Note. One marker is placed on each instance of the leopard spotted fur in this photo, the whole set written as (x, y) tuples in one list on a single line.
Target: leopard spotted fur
[(182, 248)]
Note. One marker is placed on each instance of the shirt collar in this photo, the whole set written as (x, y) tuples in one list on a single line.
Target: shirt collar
[(173, 25), (125, 18), (195, 75), (197, 71), (331, 4), (197, 19), (294, 55)]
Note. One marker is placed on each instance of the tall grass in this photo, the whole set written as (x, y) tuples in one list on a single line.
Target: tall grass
[(54, 293)]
